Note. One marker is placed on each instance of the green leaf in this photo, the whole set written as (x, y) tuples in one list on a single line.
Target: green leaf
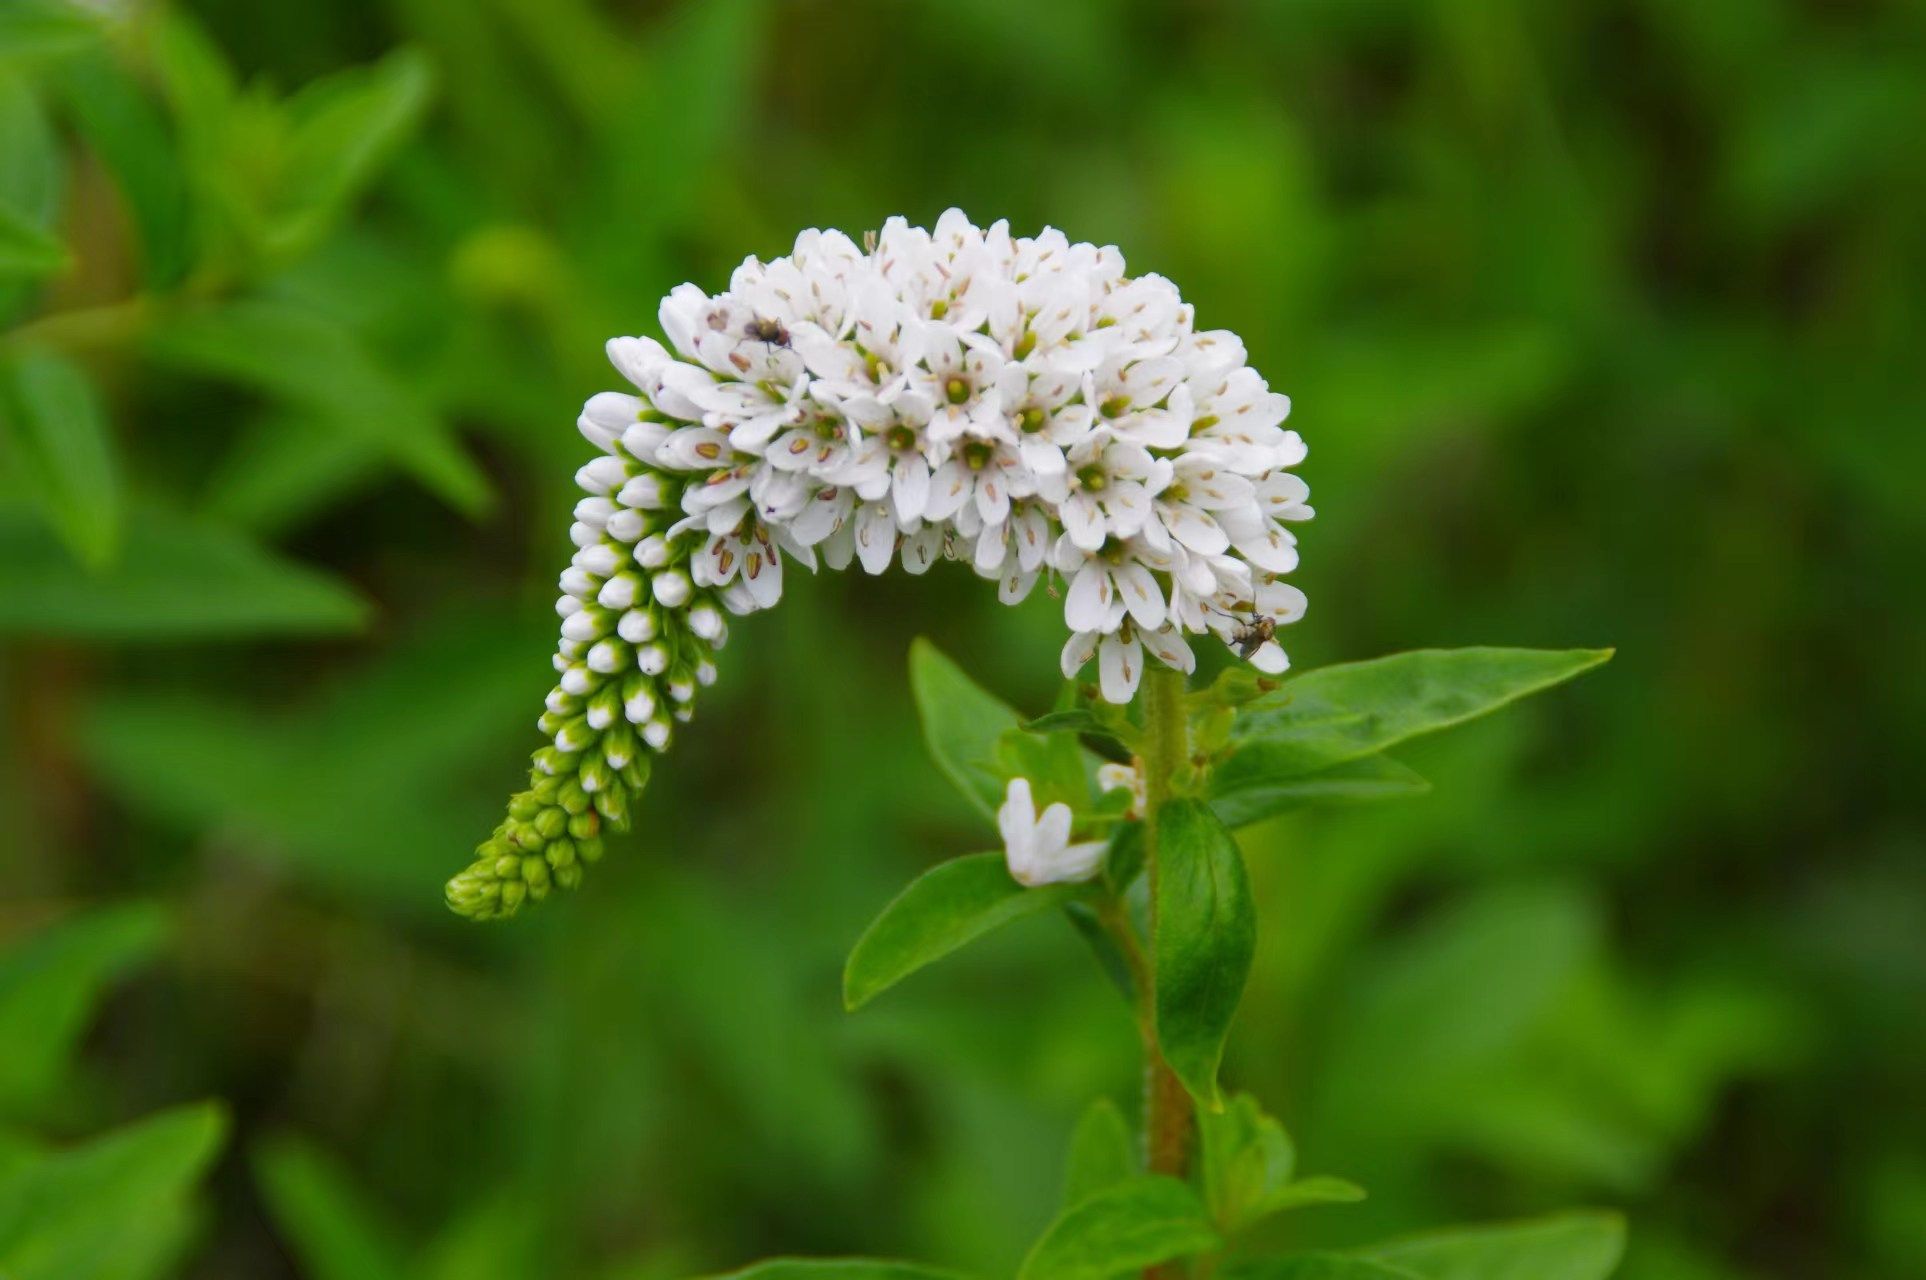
[(1247, 1161), (947, 906), (114, 1208), (1315, 1266), (316, 363), (1566, 1246), (962, 723), (58, 436), (1338, 714), (1102, 1153), (126, 130), (175, 579), (1205, 936), (1239, 802), (838, 1269), (1133, 1224), (50, 983), (334, 1233), (26, 251), (344, 128), (43, 28)]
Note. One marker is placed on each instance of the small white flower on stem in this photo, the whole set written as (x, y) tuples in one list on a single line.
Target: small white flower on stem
[(1038, 849), (1125, 777)]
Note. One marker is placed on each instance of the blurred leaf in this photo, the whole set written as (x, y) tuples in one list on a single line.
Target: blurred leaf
[(962, 725), (1132, 1224), (333, 1232), (49, 985), (838, 1269), (126, 129), (287, 469), (315, 363), (1246, 1160), (175, 579), (1422, 1024), (1337, 714), (342, 129), (951, 904), (358, 789), (27, 252), (1571, 1246), (58, 434), (1240, 803), (1316, 1266), (1206, 932), (41, 28), (1102, 1153), (114, 1208)]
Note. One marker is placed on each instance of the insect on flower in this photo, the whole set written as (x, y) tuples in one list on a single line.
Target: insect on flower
[(768, 331)]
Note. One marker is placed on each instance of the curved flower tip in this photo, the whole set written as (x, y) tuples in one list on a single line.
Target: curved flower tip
[(1038, 849), (1016, 403)]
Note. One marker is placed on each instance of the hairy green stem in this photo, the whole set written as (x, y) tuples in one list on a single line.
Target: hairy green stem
[(1167, 1110)]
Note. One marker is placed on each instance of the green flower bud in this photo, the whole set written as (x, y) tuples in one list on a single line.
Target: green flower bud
[(524, 807), (560, 853), (573, 799), (590, 848), (584, 825), (552, 823), (596, 775), (569, 877), (613, 804)]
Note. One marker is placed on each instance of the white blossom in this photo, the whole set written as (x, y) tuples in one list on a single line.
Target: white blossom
[(1038, 848)]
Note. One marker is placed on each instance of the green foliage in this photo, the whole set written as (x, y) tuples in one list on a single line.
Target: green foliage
[(1130, 1224), (1102, 1153), (179, 579), (944, 908), (1205, 934), (1246, 1163), (837, 1269), (49, 986), (114, 1208), (1572, 1246), (335, 1234), (57, 435), (1337, 715), (1315, 1266), (977, 739)]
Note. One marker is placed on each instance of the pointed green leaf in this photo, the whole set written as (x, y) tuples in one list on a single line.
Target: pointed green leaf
[(113, 1207), (175, 578), (1205, 936), (58, 436), (26, 251), (49, 985), (332, 1230), (45, 28), (977, 738), (1132, 1224), (1252, 798), (947, 906), (1247, 1161), (838, 1269), (1315, 1266), (1102, 1153), (1566, 1246), (126, 130), (343, 128), (1337, 714), (317, 364)]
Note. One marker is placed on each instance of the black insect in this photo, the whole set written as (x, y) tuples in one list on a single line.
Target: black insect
[(1253, 631), (769, 331), (1254, 635)]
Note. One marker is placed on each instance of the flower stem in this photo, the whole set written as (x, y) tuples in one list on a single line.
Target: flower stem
[(1167, 1110)]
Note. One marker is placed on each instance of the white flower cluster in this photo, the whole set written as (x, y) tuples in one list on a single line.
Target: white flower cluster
[(960, 393)]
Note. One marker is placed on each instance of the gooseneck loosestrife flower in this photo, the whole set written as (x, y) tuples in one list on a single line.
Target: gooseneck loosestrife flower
[(1019, 404)]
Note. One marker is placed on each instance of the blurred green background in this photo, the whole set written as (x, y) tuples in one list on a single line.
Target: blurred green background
[(1602, 321)]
